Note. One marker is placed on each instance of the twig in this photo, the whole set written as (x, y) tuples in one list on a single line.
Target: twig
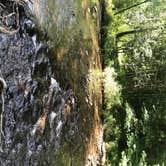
[(7, 31), (3, 86), (2, 5), (132, 6)]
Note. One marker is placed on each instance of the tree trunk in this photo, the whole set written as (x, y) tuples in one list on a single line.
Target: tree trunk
[(53, 100)]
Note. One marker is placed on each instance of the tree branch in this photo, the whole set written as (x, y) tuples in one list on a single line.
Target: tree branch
[(132, 6), (121, 34)]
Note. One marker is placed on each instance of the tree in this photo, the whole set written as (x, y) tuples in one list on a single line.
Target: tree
[(138, 29)]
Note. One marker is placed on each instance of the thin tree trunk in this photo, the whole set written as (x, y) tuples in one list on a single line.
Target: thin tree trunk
[(132, 6)]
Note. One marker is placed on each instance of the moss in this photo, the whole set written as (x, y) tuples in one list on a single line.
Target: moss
[(66, 157), (75, 48)]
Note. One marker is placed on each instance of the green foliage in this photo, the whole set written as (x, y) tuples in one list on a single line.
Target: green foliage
[(112, 125), (111, 88), (135, 113)]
